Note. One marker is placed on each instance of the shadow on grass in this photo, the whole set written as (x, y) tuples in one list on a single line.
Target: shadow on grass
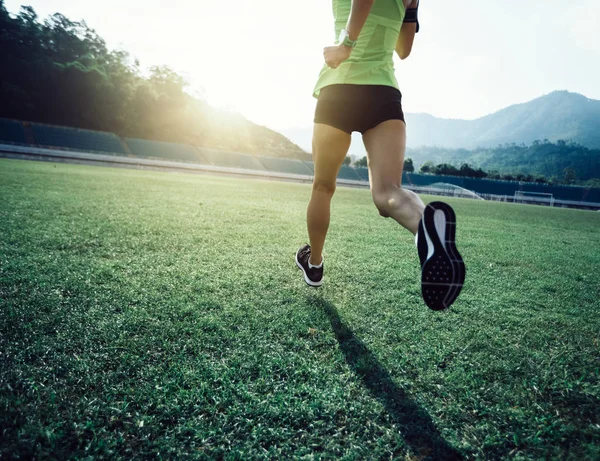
[(418, 430)]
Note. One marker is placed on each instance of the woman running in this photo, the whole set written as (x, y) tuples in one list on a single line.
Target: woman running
[(357, 91)]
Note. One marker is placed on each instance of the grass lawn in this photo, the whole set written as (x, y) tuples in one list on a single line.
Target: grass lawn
[(147, 314)]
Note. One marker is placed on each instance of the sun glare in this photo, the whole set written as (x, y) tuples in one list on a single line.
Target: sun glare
[(243, 61)]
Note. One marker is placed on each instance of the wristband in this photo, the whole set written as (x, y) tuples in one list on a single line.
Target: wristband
[(411, 15)]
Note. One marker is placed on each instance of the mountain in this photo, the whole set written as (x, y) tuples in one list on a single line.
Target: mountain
[(558, 115)]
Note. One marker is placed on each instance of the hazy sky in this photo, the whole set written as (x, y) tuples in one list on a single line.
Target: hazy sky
[(262, 57)]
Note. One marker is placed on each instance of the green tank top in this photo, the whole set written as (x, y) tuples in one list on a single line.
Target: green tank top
[(371, 61)]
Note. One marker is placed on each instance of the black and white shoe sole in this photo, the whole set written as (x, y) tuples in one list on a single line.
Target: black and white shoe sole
[(443, 273), (306, 279)]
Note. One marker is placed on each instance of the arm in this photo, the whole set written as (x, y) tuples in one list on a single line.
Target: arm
[(407, 35), (358, 16), (335, 55)]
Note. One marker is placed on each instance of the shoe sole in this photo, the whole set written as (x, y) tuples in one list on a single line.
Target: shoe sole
[(459, 264), (306, 279), (443, 273)]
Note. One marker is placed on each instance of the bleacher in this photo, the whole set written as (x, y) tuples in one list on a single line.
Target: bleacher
[(286, 165), (165, 151), (310, 165), (347, 172), (76, 139), (232, 160), (12, 132)]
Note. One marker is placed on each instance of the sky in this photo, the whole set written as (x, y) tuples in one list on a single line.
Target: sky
[(262, 57)]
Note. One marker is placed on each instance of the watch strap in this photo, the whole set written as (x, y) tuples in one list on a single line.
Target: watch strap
[(344, 39), (348, 42)]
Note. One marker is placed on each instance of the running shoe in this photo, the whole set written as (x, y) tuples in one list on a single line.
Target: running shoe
[(313, 275), (442, 268)]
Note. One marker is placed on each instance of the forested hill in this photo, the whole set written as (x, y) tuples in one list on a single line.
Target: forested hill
[(558, 115), (61, 72), (560, 161)]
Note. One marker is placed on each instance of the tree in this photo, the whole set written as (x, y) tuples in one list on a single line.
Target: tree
[(347, 161), (466, 171), (361, 163), (427, 167), (409, 167), (569, 175), (446, 169)]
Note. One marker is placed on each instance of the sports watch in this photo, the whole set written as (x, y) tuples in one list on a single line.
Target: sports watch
[(344, 39)]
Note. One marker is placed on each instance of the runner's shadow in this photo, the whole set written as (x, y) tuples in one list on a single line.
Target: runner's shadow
[(418, 430)]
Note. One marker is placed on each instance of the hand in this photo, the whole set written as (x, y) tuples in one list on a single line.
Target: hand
[(335, 55)]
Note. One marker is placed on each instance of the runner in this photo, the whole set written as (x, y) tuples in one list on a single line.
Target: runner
[(357, 91)]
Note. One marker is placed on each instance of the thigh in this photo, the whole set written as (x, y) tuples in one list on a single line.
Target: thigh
[(330, 146), (386, 145)]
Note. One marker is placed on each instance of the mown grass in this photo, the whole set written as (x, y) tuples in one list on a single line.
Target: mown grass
[(147, 314)]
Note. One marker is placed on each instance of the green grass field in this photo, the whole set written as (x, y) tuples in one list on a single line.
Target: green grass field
[(161, 315)]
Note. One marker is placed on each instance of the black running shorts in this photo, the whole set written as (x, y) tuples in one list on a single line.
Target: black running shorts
[(358, 107)]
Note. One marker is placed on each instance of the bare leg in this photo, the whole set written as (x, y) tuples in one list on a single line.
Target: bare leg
[(386, 145), (330, 146)]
